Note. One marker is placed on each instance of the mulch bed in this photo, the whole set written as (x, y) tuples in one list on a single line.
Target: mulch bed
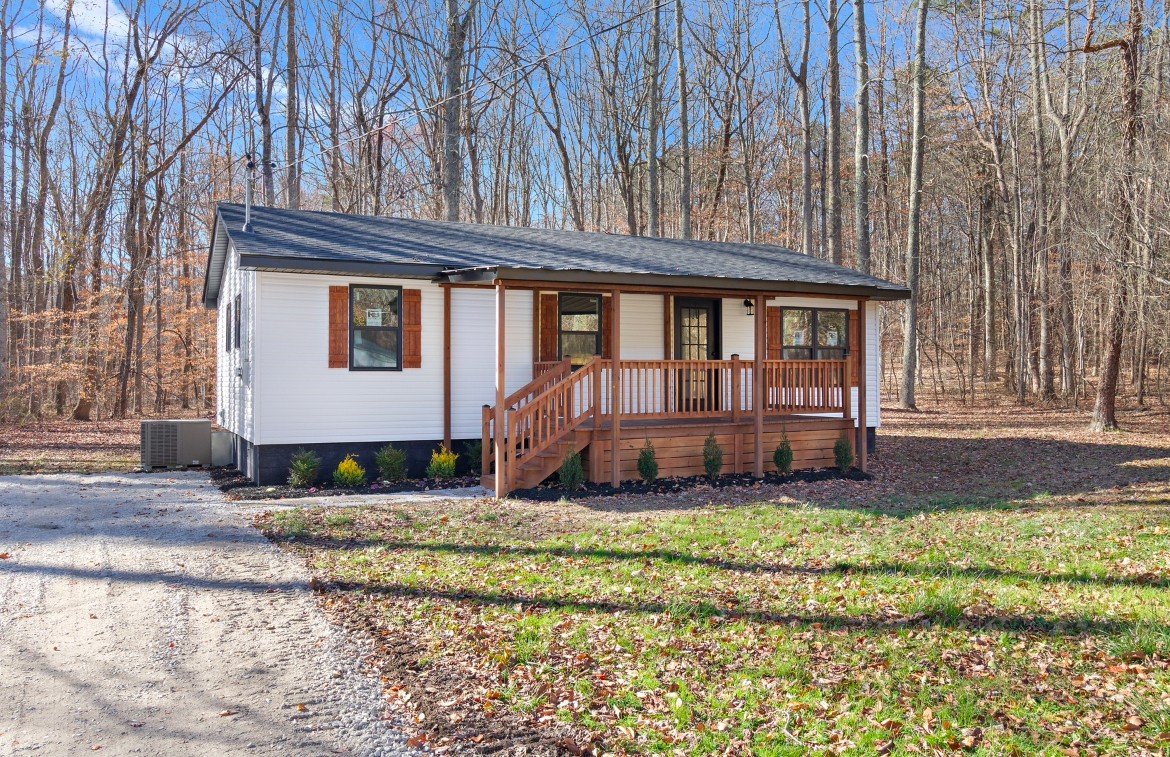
[(237, 486), (552, 491)]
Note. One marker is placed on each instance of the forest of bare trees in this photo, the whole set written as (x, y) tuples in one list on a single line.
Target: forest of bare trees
[(1009, 162)]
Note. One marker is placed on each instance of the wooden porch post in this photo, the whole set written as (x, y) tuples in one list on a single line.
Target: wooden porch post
[(862, 370), (499, 437), (759, 381), (615, 392), (447, 367)]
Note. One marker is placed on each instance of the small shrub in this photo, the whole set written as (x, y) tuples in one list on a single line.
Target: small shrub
[(349, 473), (783, 456), (648, 463), (572, 473), (712, 457), (843, 453), (303, 471), (391, 463), (442, 463), (474, 453)]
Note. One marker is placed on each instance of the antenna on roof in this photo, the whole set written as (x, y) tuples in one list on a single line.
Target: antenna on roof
[(249, 179)]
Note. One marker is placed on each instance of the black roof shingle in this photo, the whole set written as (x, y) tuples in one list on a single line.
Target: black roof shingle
[(313, 240)]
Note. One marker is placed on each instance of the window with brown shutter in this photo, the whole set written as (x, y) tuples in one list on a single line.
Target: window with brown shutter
[(412, 328), (339, 327)]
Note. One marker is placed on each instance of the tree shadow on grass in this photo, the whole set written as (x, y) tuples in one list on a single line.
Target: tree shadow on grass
[(945, 617), (838, 568)]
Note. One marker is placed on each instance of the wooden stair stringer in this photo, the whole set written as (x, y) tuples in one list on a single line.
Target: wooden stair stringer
[(531, 470)]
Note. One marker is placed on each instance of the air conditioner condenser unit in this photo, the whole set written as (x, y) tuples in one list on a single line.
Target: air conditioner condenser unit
[(176, 444)]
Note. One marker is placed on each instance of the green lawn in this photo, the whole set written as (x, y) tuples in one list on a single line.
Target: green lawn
[(784, 628)]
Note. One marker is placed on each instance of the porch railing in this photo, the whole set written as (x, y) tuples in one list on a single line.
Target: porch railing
[(560, 399), (680, 389)]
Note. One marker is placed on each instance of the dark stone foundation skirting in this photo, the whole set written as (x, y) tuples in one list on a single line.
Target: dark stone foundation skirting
[(269, 463)]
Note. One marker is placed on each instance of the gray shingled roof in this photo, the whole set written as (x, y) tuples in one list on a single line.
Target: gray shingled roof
[(311, 240)]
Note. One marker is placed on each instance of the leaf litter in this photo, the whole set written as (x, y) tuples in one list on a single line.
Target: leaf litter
[(1001, 587)]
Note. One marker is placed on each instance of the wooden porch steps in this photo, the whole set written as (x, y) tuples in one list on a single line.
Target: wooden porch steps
[(531, 470)]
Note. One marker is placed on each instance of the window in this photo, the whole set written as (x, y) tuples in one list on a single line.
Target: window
[(579, 326), (227, 329), (375, 328), (808, 334), (237, 325)]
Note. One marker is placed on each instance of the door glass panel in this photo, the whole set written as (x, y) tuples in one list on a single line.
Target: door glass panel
[(695, 342)]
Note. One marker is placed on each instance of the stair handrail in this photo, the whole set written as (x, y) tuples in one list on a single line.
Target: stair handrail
[(551, 415), (538, 384)]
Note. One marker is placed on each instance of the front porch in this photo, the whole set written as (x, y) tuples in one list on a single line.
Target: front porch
[(601, 403)]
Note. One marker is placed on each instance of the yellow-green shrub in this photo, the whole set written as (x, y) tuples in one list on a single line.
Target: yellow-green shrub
[(349, 473), (442, 464)]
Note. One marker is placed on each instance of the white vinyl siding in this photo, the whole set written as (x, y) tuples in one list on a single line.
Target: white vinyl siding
[(303, 400), (642, 326), (473, 353), (739, 331), (235, 369), (300, 400)]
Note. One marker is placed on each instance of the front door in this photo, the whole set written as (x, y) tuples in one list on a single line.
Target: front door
[(697, 337)]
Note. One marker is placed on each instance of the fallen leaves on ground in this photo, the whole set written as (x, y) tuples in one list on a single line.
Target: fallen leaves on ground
[(1002, 587)]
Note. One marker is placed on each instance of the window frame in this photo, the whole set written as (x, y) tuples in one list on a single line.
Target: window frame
[(227, 332), (237, 326), (600, 323), (814, 326), (398, 328)]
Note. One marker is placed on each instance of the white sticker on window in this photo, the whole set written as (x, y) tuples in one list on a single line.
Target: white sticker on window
[(373, 316)]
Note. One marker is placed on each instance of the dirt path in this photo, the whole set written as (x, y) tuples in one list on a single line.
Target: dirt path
[(140, 614)]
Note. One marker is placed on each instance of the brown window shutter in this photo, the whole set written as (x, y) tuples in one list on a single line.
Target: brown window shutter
[(338, 327), (854, 345), (412, 328), (549, 307), (607, 327), (773, 333)]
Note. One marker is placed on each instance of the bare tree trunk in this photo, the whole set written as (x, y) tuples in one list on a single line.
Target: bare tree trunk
[(861, 141), (987, 256), (4, 305), (652, 127), (1105, 407), (684, 198), (1045, 389), (292, 153), (457, 26), (914, 223), (833, 148), (799, 76)]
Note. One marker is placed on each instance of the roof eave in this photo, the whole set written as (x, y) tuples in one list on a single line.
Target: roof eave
[(219, 239), (283, 264), (665, 281)]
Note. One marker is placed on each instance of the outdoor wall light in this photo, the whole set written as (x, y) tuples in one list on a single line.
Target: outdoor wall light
[(750, 306)]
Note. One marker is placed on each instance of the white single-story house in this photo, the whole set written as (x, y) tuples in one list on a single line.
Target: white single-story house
[(340, 333)]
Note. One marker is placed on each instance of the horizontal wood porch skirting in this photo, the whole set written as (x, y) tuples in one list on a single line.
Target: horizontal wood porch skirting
[(678, 445)]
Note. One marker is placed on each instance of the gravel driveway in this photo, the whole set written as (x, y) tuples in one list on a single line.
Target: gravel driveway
[(141, 614)]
